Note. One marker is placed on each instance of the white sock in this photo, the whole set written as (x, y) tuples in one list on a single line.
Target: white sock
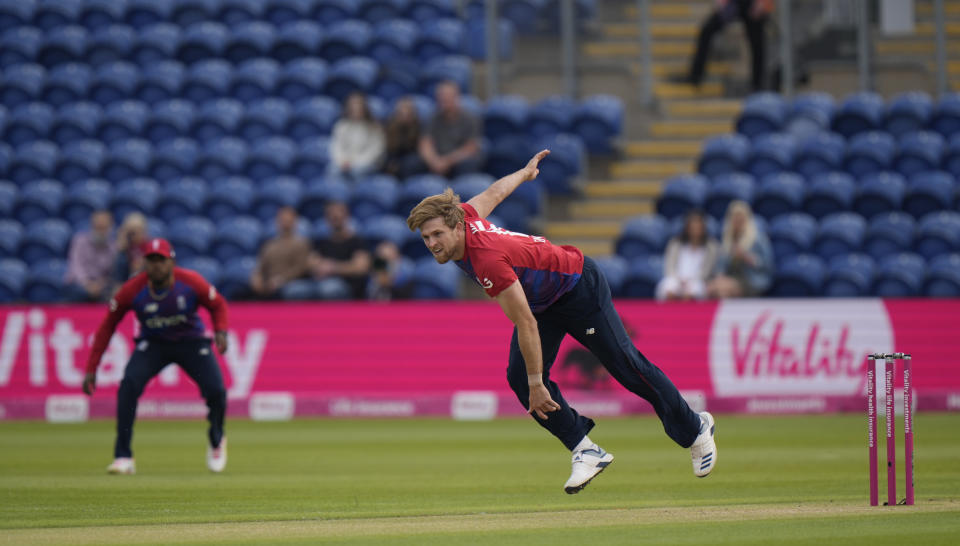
[(584, 444)]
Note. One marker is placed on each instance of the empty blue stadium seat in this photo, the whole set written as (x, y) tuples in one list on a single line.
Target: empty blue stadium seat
[(879, 193), (433, 281), (191, 12), (235, 237), (943, 277), (938, 233), (51, 14), (76, 121), (614, 269), (249, 40), (467, 186), (83, 198), (80, 160), (778, 194), (127, 158), (13, 276), (160, 81), (643, 274), (156, 43), (682, 193), (6, 155), (169, 119), (565, 163), (859, 112), (392, 40), (350, 74), (505, 115), (65, 44), (723, 154), (208, 268), (174, 158), (217, 119), (520, 206), (552, 115), (237, 12), (641, 236), (439, 38), (416, 188), (8, 198), (221, 158), (475, 42), (229, 197), (334, 11), (770, 153), (397, 79), (38, 200), (422, 11), (849, 276), (312, 157), (318, 193), (296, 40), (14, 13), (945, 118), (110, 44), (889, 233), (276, 192), (33, 160), (929, 192), (66, 83), (899, 276), (29, 122), (191, 236), (919, 151), (22, 84), (180, 198), (301, 78), (839, 233), (19, 45), (810, 114), (44, 283), (792, 233), (951, 157), (799, 276), (96, 14), (45, 239), (346, 39), (385, 227), (263, 118), (455, 68), (907, 112), (270, 156), (377, 11), (11, 233), (725, 188), (206, 80), (508, 154), (829, 193), (373, 196), (122, 120), (135, 195), (235, 276), (254, 80), (143, 13), (283, 12), (201, 41), (762, 113), (598, 120), (870, 152)]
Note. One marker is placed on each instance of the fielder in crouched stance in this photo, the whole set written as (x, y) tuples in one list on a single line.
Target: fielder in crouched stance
[(549, 291), (165, 299)]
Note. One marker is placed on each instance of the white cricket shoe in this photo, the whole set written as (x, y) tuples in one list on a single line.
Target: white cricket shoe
[(587, 463), (217, 457), (704, 449), (122, 465)]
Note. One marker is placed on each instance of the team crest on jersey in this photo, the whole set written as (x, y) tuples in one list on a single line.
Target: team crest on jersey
[(151, 308), (181, 303)]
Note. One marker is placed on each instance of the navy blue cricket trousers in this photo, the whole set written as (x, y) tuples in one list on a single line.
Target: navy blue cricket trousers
[(586, 312), (195, 357)]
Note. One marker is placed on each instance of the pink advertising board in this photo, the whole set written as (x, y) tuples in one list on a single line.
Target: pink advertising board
[(449, 358)]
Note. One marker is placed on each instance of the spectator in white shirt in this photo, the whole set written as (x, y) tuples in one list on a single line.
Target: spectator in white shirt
[(357, 145), (688, 262)]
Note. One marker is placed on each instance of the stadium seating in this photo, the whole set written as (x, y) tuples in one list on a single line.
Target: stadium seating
[(800, 275), (879, 193), (13, 277), (762, 113), (726, 188), (723, 155), (44, 282), (642, 236), (791, 234), (849, 276), (839, 233), (643, 274), (943, 277), (888, 234), (899, 276), (778, 194)]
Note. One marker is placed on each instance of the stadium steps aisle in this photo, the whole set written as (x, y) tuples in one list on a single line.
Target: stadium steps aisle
[(666, 146)]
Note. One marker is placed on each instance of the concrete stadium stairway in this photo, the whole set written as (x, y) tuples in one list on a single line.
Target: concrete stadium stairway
[(656, 145)]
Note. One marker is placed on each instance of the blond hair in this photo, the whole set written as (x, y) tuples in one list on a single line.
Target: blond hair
[(749, 233), (445, 205)]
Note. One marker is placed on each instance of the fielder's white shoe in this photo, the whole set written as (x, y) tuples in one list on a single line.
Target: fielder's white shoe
[(704, 449), (122, 465), (217, 457), (587, 463)]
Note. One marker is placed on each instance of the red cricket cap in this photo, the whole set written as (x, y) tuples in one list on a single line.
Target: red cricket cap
[(158, 246)]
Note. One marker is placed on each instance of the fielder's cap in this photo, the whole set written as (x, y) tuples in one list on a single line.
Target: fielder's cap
[(160, 247)]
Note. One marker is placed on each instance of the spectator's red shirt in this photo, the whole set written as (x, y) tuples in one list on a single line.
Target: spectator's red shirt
[(496, 258), (168, 316)]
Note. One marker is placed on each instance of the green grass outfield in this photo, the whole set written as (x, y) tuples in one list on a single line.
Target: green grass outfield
[(779, 480)]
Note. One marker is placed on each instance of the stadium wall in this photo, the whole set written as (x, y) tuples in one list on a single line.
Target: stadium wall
[(449, 358)]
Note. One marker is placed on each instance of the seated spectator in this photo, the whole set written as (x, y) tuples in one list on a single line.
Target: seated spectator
[(745, 265), (386, 277), (132, 234), (403, 137), (343, 253), (90, 262), (688, 261), (357, 144), (451, 145), (283, 258)]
